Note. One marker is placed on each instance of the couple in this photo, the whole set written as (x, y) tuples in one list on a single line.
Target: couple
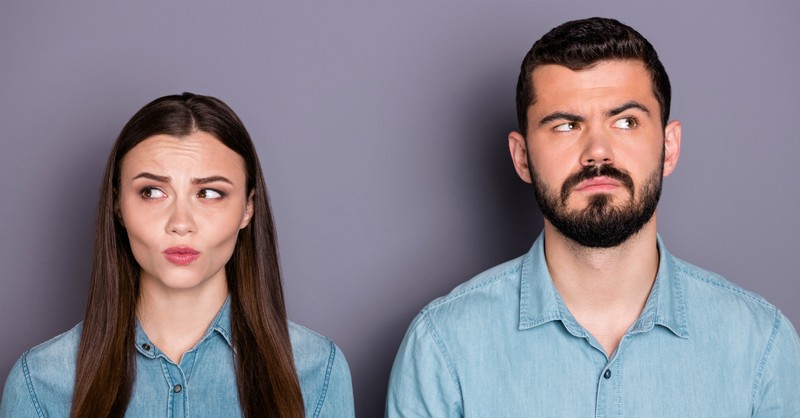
[(186, 316)]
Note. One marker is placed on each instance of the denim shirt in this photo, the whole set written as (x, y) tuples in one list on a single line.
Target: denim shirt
[(504, 344), (202, 385)]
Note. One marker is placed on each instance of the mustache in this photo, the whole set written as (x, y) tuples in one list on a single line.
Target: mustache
[(591, 171)]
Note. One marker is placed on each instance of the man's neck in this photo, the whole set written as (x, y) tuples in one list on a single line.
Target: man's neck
[(605, 289)]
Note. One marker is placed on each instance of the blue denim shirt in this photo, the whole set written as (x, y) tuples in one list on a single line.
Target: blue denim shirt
[(202, 385), (504, 345)]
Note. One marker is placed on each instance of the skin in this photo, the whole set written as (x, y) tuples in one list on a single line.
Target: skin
[(182, 192), (605, 114)]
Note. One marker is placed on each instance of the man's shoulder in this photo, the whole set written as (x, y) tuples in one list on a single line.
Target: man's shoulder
[(493, 288), (712, 289), (714, 294)]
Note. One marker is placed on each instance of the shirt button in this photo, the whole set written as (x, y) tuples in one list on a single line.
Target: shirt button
[(177, 389), (607, 374), (146, 346)]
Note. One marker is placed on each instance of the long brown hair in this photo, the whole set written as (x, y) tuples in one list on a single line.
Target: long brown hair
[(106, 365)]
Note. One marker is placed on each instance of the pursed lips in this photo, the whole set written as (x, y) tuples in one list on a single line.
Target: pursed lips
[(181, 255), (596, 184)]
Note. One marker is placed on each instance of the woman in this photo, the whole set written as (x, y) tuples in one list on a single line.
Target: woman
[(185, 314)]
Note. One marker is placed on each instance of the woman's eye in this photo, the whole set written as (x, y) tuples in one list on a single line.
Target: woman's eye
[(626, 123), (565, 127), (210, 194), (152, 193)]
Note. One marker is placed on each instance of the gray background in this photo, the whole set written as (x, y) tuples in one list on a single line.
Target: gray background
[(382, 129)]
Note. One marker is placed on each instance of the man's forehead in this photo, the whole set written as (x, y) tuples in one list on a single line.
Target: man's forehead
[(611, 79)]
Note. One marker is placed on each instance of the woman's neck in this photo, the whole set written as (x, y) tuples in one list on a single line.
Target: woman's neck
[(176, 320)]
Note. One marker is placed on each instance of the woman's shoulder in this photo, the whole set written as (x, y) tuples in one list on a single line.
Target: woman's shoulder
[(43, 377), (313, 353), (323, 373), (60, 351)]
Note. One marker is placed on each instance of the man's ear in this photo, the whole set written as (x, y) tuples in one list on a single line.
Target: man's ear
[(248, 213), (519, 155), (672, 146)]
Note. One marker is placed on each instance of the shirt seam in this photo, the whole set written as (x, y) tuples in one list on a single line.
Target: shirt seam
[(328, 371), (440, 346), (675, 320), (217, 325), (477, 286), (735, 289), (677, 287), (525, 319), (762, 362), (29, 384)]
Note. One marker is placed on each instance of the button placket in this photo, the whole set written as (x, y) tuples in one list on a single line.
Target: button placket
[(176, 382)]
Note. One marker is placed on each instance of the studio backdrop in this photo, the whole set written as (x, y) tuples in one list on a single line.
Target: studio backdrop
[(381, 127)]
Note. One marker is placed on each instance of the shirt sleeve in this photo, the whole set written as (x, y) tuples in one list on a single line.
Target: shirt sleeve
[(423, 382), (338, 402), (18, 399), (778, 389)]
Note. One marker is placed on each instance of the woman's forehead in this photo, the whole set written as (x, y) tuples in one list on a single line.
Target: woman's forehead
[(198, 154)]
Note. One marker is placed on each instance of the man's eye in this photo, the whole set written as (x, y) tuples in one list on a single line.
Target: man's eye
[(626, 123), (210, 194), (152, 193), (565, 127)]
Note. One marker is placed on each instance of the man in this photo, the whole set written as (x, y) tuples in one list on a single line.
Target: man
[(597, 319)]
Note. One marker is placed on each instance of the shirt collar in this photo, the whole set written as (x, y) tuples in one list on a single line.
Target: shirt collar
[(541, 303), (221, 324)]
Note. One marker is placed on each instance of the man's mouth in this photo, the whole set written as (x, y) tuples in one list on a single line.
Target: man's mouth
[(597, 184)]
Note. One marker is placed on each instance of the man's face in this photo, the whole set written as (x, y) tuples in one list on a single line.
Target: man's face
[(595, 150)]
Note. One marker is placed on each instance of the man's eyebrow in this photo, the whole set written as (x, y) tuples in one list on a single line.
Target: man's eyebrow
[(212, 179), (151, 176), (625, 106), (561, 116)]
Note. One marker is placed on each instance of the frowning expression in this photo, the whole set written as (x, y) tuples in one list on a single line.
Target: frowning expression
[(596, 149), (183, 201)]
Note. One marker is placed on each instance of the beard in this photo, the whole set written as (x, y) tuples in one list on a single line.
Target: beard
[(602, 224)]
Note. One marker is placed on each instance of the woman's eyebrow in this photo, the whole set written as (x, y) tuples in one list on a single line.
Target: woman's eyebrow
[(212, 179), (167, 179), (151, 176)]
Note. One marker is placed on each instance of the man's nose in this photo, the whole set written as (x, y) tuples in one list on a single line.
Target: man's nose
[(597, 150)]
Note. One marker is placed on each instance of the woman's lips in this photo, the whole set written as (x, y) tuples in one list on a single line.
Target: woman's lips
[(181, 256), (597, 184)]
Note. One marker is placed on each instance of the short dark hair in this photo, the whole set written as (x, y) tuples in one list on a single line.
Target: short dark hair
[(579, 44)]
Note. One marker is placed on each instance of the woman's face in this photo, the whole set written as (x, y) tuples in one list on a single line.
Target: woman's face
[(183, 202)]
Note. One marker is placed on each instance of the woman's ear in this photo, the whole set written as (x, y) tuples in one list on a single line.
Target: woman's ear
[(248, 213), (117, 212)]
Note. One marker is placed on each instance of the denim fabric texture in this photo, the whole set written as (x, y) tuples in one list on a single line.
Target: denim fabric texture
[(202, 385), (504, 344)]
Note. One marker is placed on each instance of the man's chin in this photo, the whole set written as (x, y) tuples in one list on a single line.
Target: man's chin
[(597, 209)]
